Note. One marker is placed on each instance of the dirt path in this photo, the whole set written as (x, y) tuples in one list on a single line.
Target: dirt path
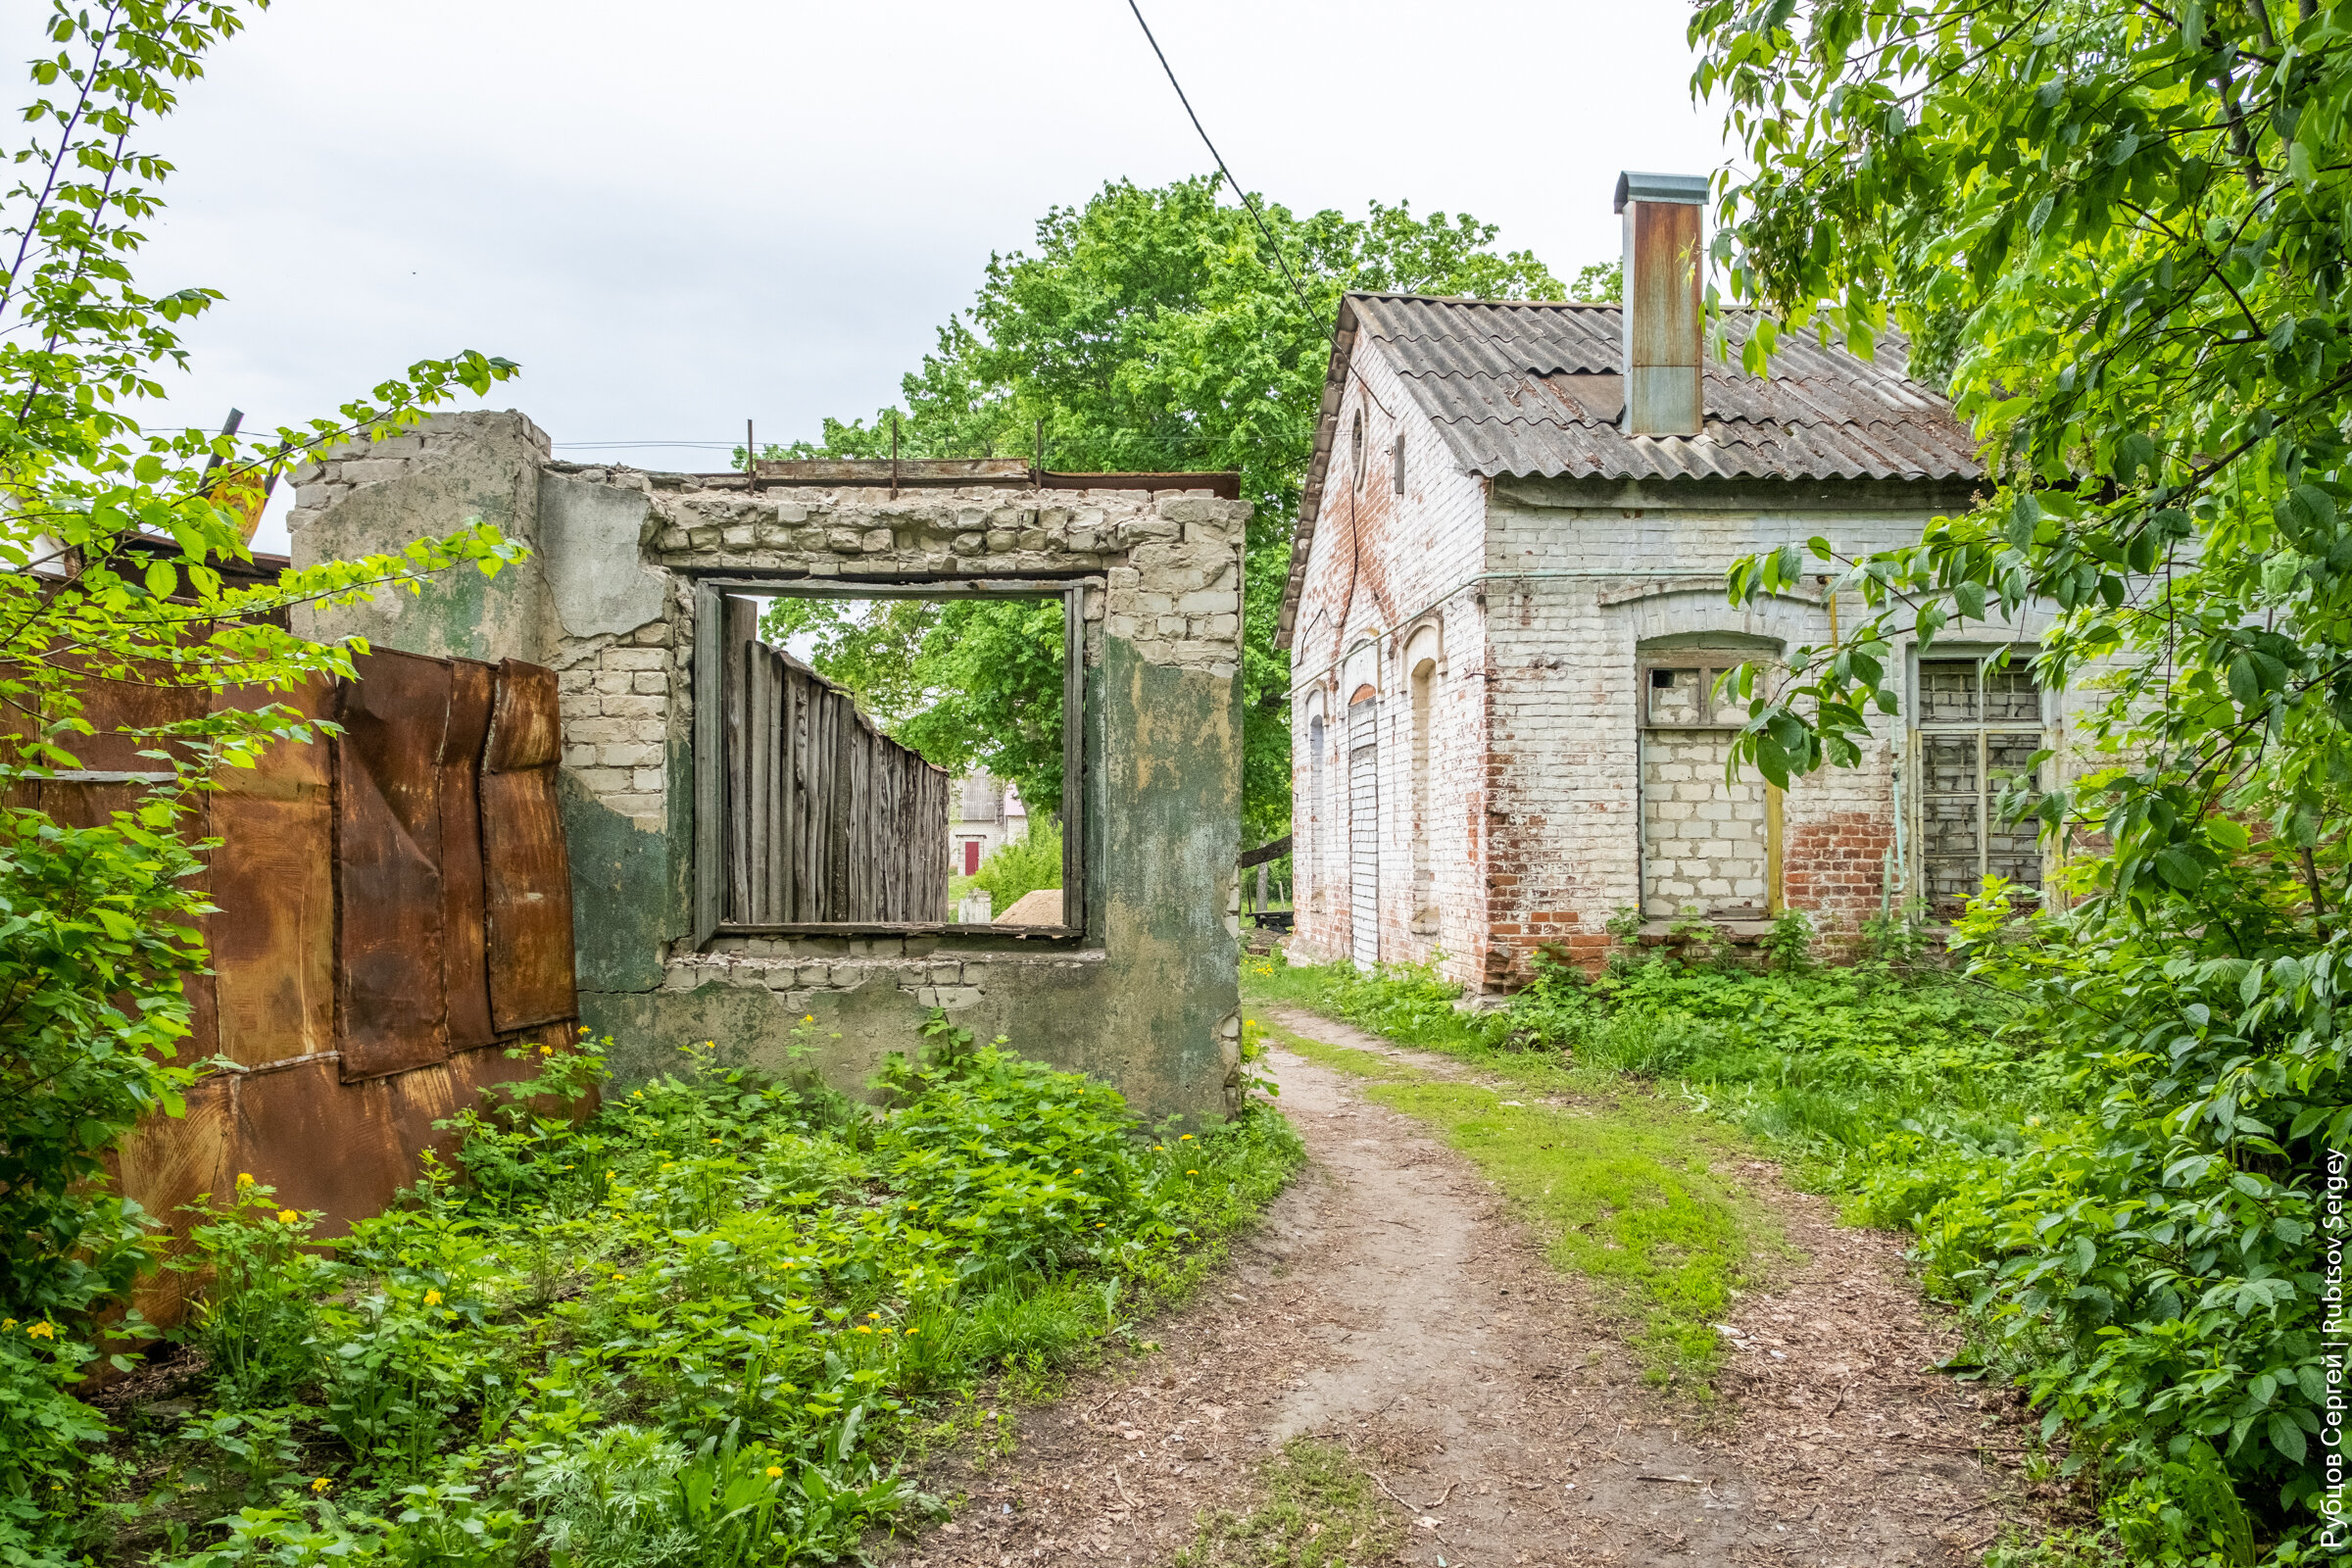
[(1391, 1306)]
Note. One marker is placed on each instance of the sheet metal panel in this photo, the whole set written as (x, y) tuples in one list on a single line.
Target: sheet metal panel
[(272, 934), (388, 893), (322, 1143), (466, 973), (526, 874)]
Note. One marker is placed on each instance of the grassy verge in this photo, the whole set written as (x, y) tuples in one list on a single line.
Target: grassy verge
[(1881, 1086), (1320, 1511), (1619, 1185), (703, 1325)]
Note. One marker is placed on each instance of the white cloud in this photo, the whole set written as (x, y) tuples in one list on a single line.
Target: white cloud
[(679, 216)]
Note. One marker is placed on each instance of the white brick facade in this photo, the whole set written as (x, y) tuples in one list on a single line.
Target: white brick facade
[(1544, 802)]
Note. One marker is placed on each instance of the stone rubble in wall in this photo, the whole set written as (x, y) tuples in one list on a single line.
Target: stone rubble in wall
[(777, 963)]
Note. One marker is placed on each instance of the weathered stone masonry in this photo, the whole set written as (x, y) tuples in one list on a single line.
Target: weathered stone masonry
[(1147, 997)]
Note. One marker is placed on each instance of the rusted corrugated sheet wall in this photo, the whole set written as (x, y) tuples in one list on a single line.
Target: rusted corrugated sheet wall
[(393, 907), (828, 820)]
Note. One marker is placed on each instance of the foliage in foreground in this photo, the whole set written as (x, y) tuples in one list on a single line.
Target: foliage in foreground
[(1934, 1104), (695, 1328), (113, 538), (2130, 227)]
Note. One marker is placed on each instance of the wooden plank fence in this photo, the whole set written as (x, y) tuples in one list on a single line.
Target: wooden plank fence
[(827, 819)]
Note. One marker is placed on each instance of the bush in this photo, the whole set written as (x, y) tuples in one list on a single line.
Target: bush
[(694, 1328), (1018, 867)]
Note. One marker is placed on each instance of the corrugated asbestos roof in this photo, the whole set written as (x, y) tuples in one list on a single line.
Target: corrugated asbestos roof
[(1531, 389)]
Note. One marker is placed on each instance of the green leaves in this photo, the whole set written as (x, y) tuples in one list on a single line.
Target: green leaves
[(1150, 329), (2123, 239)]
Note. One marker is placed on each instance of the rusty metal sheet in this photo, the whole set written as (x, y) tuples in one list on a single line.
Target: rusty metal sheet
[(273, 932), (77, 805), (528, 885), (322, 1143), (165, 1164), (526, 874), (465, 979), (526, 724), (388, 897), (112, 706)]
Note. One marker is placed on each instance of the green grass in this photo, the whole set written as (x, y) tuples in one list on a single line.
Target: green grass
[(715, 1318), (1619, 1185), (1320, 1511)]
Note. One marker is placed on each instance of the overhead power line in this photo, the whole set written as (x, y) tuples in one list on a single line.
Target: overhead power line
[(1280, 259)]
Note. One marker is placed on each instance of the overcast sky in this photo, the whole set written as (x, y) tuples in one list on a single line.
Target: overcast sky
[(679, 216)]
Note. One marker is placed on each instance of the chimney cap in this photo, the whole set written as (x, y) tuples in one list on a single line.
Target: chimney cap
[(1635, 186)]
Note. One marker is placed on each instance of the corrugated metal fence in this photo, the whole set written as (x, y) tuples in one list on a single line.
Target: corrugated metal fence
[(392, 904), (828, 820)]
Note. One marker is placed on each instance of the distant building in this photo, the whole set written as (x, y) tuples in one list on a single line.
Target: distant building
[(1507, 620), (986, 811)]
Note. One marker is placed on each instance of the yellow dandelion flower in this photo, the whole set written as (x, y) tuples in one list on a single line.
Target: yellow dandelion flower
[(432, 1298), (287, 1216), (323, 1483), (1186, 1138), (1191, 1173), (714, 1140), (1158, 1148), (865, 1328), (808, 1018), (775, 1472), (911, 1334)]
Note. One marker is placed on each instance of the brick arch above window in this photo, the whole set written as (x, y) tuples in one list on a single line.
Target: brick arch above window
[(1425, 645)]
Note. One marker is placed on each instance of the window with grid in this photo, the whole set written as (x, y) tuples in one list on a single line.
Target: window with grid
[(1977, 733), (1682, 696)]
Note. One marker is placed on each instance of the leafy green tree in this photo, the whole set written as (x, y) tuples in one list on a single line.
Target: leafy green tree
[(2126, 227), (1156, 330), (112, 538)]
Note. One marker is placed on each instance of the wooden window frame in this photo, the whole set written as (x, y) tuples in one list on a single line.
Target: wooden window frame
[(708, 679), (1983, 729), (1712, 663)]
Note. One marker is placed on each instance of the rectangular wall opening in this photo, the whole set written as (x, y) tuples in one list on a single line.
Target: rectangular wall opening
[(877, 759)]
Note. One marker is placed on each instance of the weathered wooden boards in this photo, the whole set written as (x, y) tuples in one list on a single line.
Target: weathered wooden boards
[(827, 819)]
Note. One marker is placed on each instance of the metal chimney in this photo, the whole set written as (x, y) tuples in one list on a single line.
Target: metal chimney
[(1661, 303)]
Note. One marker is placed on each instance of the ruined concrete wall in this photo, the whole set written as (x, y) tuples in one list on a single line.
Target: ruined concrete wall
[(1386, 586), (1148, 998)]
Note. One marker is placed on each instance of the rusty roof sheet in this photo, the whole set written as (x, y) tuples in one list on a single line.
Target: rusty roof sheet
[(1537, 389)]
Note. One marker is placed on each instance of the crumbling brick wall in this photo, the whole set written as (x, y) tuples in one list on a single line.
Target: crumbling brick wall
[(1379, 585), (1147, 996)]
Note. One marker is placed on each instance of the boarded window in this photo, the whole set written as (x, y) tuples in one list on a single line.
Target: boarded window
[(1363, 832), (1704, 838), (1977, 734)]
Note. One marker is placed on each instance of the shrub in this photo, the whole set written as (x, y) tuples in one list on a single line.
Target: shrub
[(692, 1328), (1018, 867)]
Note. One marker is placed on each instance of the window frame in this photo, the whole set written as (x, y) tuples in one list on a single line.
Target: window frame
[(1983, 729), (1712, 663), (706, 679)]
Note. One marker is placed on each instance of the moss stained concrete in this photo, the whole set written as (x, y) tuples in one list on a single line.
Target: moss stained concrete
[(1149, 999)]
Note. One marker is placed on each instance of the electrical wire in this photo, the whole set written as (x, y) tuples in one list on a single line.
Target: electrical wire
[(1280, 259)]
